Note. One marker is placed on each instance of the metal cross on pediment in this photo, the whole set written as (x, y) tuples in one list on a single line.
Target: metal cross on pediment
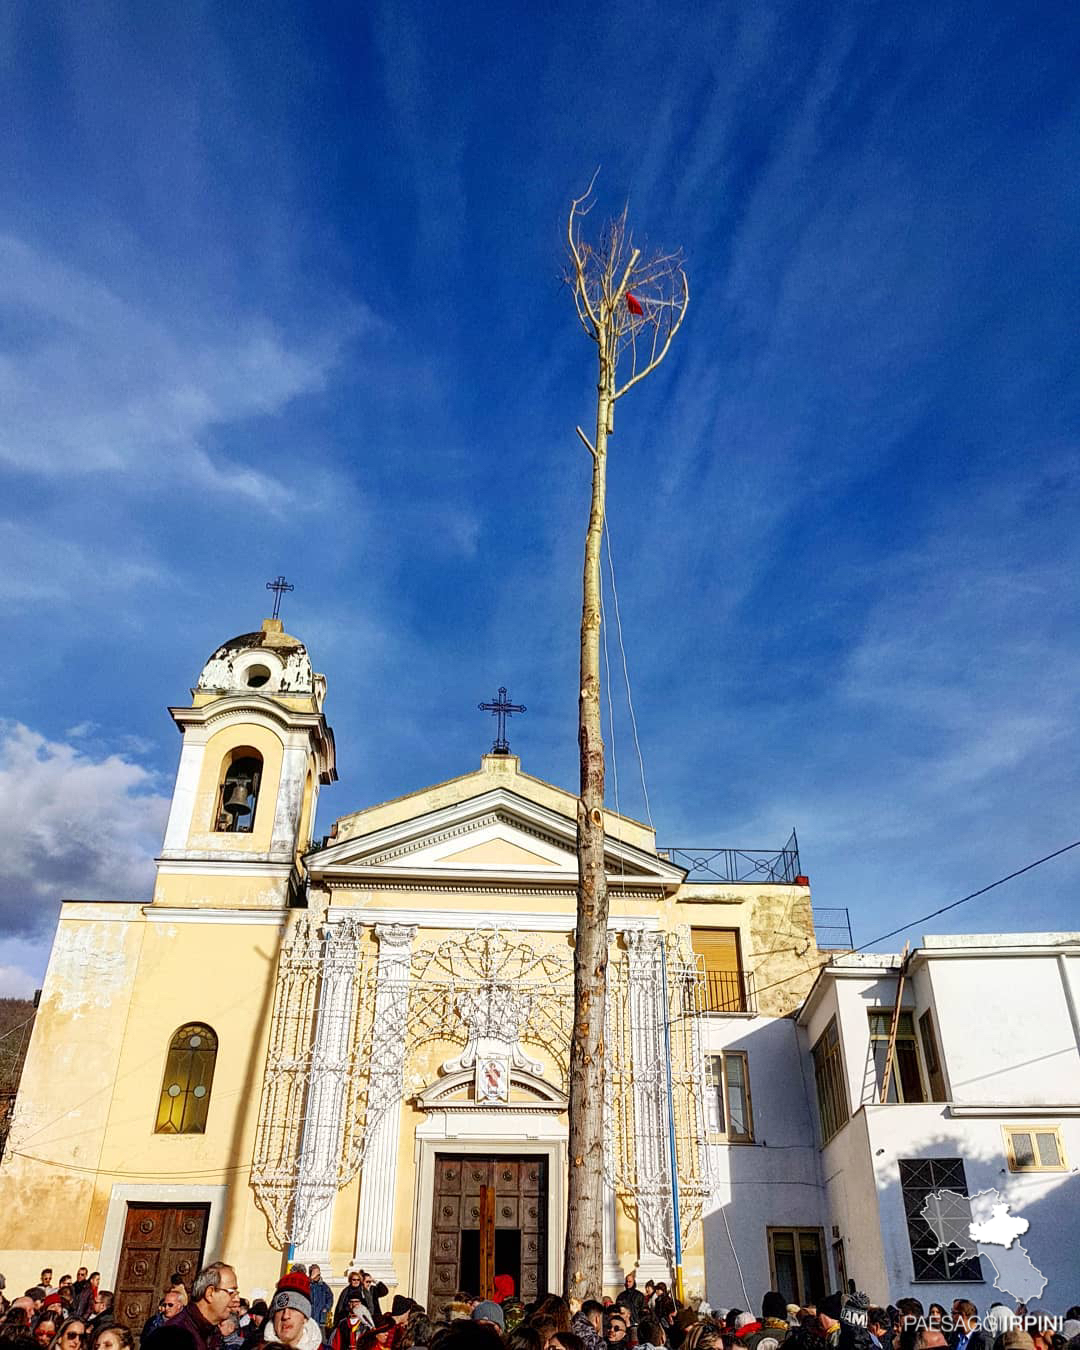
[(501, 708), (279, 586)]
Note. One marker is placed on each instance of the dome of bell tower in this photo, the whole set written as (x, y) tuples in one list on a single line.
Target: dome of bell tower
[(267, 662)]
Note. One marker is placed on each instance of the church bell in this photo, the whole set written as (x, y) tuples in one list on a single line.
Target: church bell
[(236, 799)]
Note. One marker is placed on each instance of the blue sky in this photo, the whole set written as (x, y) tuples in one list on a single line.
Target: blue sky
[(280, 291)]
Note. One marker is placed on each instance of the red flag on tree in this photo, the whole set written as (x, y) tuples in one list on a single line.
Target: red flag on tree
[(633, 304)]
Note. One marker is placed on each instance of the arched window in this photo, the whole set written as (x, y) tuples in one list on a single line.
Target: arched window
[(239, 792), (189, 1076)]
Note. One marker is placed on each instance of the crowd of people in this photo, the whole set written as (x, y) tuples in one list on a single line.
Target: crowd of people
[(303, 1314)]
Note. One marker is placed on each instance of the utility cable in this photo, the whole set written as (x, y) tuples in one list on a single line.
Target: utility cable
[(110, 1172), (626, 675), (18, 1027), (611, 723), (610, 706), (735, 1254), (912, 923)]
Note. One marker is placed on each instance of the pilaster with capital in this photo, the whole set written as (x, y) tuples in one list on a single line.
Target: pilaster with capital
[(378, 1180), (320, 1156)]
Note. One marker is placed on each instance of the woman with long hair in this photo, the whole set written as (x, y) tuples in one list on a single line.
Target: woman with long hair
[(70, 1336), (46, 1325), (114, 1337), (555, 1307)]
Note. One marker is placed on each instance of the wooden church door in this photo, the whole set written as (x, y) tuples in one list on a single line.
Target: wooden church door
[(489, 1218)]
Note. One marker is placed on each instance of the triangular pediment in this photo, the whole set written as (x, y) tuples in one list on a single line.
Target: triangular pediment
[(494, 836), (498, 852)]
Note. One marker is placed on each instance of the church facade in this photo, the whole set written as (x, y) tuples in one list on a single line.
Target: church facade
[(354, 1049)]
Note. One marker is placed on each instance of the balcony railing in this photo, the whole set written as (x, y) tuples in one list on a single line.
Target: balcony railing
[(733, 865), (728, 991)]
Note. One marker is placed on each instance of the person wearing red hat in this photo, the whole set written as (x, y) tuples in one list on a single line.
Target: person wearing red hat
[(291, 1323)]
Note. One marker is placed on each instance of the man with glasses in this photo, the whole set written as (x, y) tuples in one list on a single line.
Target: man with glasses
[(214, 1296), (353, 1289), (172, 1302), (615, 1330)]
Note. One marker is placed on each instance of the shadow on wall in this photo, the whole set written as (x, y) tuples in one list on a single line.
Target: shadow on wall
[(240, 1207), (1049, 1202), (775, 1181)]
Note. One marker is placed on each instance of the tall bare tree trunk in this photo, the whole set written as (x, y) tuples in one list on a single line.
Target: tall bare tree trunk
[(585, 1220), (616, 318)]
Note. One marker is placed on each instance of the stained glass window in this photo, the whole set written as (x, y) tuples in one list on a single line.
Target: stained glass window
[(189, 1076)]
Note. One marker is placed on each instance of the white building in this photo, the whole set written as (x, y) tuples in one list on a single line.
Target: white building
[(984, 1096)]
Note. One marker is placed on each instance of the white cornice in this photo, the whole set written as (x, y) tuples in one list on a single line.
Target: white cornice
[(535, 922), (173, 914), (463, 884), (236, 866), (1012, 1111)]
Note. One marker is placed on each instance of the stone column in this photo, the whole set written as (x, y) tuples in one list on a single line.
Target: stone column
[(650, 1104), (320, 1156), (378, 1179)]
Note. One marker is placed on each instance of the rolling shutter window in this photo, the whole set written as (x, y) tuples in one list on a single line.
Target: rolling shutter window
[(719, 947)]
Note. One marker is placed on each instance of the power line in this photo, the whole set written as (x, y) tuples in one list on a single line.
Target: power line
[(626, 672), (911, 923), (110, 1172)]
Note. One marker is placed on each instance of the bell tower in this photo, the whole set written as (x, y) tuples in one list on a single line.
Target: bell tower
[(256, 748)]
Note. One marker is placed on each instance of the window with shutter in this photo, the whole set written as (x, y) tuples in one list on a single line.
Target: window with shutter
[(725, 987)]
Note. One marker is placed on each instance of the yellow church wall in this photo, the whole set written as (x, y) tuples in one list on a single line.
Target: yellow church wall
[(222, 975), (47, 1179), (114, 1030), (206, 890), (269, 744), (343, 1226)]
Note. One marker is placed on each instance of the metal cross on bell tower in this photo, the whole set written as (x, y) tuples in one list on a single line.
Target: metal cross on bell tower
[(279, 586), (501, 708)]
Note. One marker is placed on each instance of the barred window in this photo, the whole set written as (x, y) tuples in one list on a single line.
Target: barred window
[(829, 1079), (189, 1076), (938, 1214)]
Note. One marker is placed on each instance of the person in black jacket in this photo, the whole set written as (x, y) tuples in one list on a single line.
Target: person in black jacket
[(353, 1286), (632, 1300)]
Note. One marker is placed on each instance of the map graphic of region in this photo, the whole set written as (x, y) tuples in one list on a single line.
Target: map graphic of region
[(983, 1225)]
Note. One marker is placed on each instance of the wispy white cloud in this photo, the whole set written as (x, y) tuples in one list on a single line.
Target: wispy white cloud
[(40, 567), (92, 382), (74, 826)]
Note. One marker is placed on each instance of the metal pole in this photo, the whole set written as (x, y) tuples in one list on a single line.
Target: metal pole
[(676, 1226)]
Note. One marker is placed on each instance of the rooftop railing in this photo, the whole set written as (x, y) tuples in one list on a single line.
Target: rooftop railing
[(734, 865)]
